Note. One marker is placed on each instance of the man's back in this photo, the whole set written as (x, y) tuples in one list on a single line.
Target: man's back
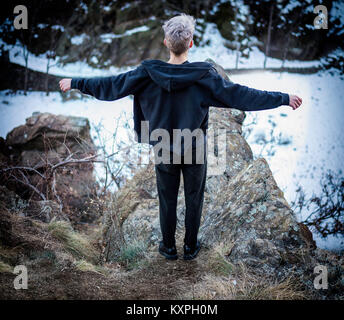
[(177, 96)]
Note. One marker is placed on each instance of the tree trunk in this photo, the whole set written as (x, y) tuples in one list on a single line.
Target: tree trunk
[(26, 75), (267, 47), (236, 36), (286, 49), (47, 78)]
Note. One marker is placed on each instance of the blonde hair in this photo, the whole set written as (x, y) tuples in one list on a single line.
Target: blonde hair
[(179, 32)]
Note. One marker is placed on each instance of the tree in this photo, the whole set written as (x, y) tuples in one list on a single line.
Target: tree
[(325, 209), (55, 33), (241, 23), (267, 44)]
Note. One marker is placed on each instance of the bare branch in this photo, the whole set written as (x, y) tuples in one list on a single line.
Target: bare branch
[(53, 188), (27, 183), (75, 161), (24, 168)]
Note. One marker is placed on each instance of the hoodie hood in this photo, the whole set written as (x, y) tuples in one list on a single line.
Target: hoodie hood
[(175, 76)]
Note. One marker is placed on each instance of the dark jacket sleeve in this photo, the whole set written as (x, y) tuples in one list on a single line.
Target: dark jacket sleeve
[(110, 88), (227, 94)]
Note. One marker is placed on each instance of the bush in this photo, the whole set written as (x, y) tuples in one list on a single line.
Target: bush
[(132, 254)]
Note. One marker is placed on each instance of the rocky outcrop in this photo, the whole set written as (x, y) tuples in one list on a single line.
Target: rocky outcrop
[(243, 209), (45, 135), (46, 140)]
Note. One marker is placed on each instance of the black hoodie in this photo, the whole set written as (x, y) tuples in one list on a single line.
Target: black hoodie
[(177, 96)]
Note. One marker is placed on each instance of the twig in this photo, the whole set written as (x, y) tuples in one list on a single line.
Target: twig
[(24, 168), (27, 183)]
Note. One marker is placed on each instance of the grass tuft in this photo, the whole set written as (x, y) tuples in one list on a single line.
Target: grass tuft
[(255, 287), (217, 262), (78, 245), (85, 266), (132, 254), (5, 268)]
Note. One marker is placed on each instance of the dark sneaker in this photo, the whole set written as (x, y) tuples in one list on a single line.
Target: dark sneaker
[(191, 253), (168, 253)]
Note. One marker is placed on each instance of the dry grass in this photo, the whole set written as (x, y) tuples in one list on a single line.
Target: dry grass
[(142, 273), (4, 267), (217, 262), (75, 243), (213, 287), (257, 287), (221, 280), (85, 266)]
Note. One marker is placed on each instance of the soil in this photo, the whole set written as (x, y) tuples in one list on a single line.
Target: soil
[(157, 279)]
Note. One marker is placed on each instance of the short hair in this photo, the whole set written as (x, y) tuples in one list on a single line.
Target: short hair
[(179, 32)]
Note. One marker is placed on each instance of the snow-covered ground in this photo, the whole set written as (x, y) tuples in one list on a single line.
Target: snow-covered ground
[(213, 46), (76, 69), (226, 57), (315, 132)]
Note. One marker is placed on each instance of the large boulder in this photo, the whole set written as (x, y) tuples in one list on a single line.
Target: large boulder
[(251, 212), (244, 210), (48, 138)]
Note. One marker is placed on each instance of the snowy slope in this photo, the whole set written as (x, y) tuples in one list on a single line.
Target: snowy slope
[(225, 57), (212, 46)]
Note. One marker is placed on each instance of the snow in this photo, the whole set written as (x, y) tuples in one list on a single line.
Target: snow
[(126, 6), (226, 57), (337, 12), (107, 37), (14, 109), (290, 7), (79, 39), (315, 131), (39, 63)]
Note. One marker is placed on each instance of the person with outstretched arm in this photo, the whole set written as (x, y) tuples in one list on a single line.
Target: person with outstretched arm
[(176, 95)]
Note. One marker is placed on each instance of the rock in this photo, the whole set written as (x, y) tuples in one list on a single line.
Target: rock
[(248, 201), (45, 132), (120, 225), (40, 210), (241, 214), (45, 211), (244, 209), (46, 137), (4, 152), (11, 200)]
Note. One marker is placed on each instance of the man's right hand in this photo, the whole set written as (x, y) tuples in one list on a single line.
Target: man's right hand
[(65, 84), (294, 101)]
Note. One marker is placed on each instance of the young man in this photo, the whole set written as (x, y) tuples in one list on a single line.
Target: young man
[(176, 95)]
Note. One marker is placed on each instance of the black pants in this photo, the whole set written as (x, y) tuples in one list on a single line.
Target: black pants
[(168, 180)]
